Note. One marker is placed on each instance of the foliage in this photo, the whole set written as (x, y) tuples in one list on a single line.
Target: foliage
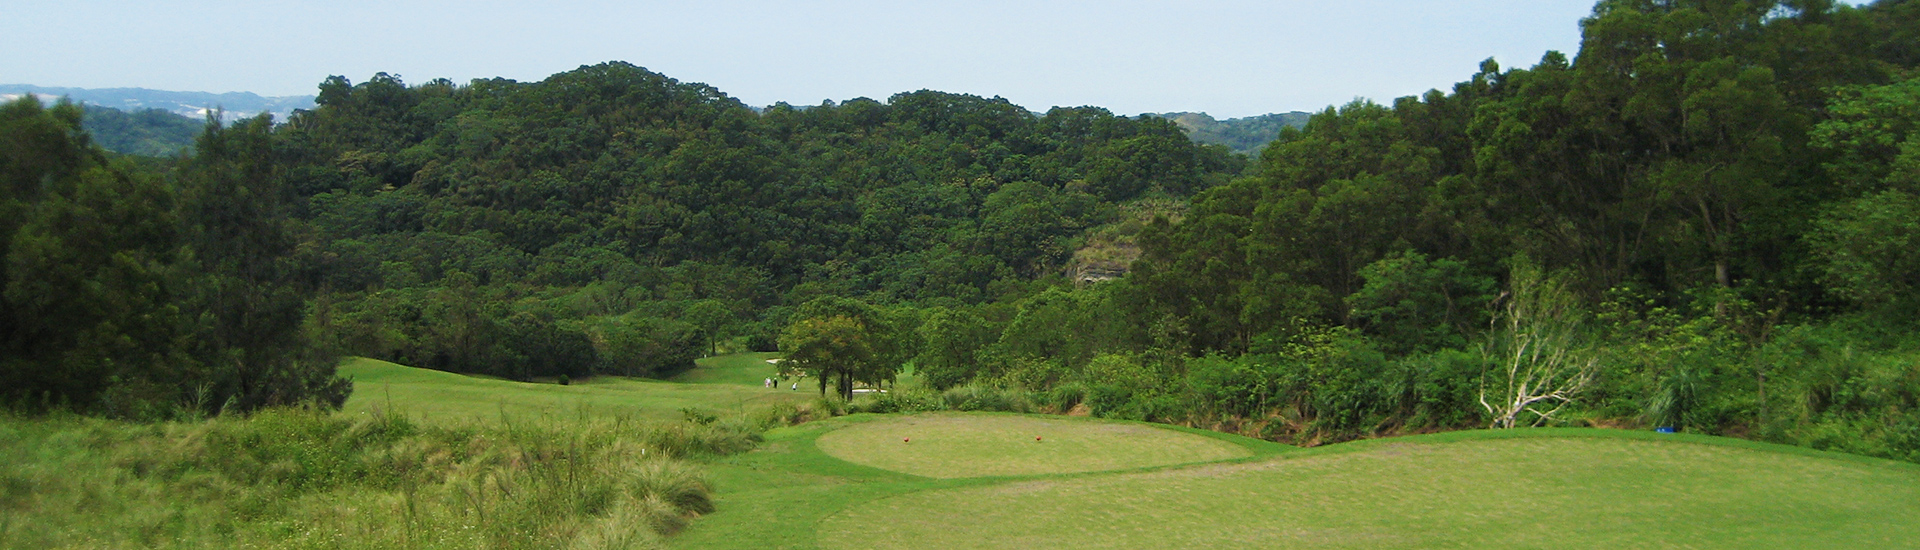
[(144, 132), (847, 341), (132, 295)]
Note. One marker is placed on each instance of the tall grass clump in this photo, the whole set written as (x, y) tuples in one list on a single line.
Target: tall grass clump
[(978, 397), (300, 478), (915, 399)]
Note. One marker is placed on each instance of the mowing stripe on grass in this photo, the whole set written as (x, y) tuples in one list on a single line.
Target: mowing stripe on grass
[(1580, 492), (958, 445)]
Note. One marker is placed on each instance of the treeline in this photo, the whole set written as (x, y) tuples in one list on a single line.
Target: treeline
[(140, 291), (1704, 222)]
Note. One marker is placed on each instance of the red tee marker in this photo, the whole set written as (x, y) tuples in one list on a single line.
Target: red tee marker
[(1036, 438), (904, 440)]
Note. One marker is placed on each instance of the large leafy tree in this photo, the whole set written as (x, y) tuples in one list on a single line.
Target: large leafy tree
[(87, 314), (249, 307), (849, 341)]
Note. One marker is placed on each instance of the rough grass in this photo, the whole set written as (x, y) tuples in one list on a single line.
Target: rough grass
[(305, 479), (725, 385), (419, 459), (954, 445), (1600, 490)]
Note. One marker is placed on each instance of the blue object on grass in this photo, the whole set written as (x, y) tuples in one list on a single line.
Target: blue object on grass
[(1664, 429)]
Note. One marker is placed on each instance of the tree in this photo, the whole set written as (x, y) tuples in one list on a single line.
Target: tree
[(1867, 250), (846, 339), (836, 347), (1413, 303), (1538, 363), (953, 339), (236, 216), (712, 317), (1864, 246), (89, 272)]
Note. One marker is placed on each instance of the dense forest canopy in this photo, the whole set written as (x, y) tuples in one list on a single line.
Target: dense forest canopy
[(1702, 220)]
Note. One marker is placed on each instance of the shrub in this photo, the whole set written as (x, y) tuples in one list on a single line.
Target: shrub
[(829, 406), (902, 401), (976, 397), (1065, 397)]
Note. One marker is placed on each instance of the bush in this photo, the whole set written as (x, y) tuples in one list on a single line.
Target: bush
[(1065, 397), (1107, 400), (903, 401), (976, 397), (829, 406)]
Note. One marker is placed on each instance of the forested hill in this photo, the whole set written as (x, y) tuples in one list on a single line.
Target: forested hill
[(144, 132), (611, 199)]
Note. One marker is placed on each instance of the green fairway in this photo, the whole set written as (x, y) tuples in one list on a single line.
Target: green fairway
[(1572, 492), (743, 369), (974, 445), (719, 385)]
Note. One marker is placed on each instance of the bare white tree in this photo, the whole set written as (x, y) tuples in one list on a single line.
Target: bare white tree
[(1541, 361)]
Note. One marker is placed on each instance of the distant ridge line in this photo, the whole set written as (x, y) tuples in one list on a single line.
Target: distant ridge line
[(190, 104)]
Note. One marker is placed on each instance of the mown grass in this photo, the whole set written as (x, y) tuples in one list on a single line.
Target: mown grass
[(741, 369), (724, 386), (778, 495), (1552, 488), (953, 445)]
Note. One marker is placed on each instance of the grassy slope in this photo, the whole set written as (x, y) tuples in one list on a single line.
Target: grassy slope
[(724, 384), (1522, 488)]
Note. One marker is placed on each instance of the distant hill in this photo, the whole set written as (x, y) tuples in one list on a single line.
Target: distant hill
[(147, 132), (194, 105), (1243, 135)]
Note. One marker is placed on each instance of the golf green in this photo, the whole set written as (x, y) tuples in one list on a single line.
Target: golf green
[(953, 445), (1548, 492)]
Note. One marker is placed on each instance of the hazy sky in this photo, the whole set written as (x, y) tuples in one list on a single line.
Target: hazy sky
[(1227, 58)]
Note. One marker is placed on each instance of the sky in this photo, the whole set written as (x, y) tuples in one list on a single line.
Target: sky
[(1227, 58)]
